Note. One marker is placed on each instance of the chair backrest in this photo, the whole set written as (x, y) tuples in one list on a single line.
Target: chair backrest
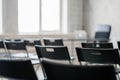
[(97, 45), (28, 43), (15, 45), (102, 32), (32, 42), (102, 56), (53, 41), (53, 52), (57, 71), (37, 42), (7, 39), (17, 40), (17, 69)]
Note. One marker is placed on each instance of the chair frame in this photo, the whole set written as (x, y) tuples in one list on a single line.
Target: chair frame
[(2, 46)]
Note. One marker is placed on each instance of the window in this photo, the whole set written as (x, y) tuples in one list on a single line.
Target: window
[(50, 15), (28, 16), (33, 17)]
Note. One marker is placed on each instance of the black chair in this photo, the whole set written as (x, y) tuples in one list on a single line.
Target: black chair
[(59, 53), (16, 47), (102, 33), (17, 40), (7, 39), (28, 43), (98, 56), (53, 41), (97, 45), (37, 42), (17, 70), (57, 71), (53, 52)]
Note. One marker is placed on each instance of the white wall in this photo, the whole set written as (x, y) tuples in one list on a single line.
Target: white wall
[(10, 16), (1, 17), (102, 12), (74, 15)]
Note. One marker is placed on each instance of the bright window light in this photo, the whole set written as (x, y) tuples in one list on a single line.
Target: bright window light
[(28, 15), (50, 15)]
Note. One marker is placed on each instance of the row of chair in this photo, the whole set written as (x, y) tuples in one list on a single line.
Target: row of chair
[(23, 70), (102, 53), (41, 51), (67, 70), (99, 55), (50, 49), (46, 41), (13, 44), (59, 71), (59, 42)]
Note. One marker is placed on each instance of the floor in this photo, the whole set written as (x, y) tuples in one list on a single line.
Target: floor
[(39, 72)]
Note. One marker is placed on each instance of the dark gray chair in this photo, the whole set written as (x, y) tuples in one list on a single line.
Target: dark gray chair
[(96, 45), (53, 52), (32, 42), (59, 53), (102, 33), (37, 42), (99, 56), (28, 43), (57, 71), (17, 47), (17, 40), (53, 41), (8, 39), (17, 70)]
